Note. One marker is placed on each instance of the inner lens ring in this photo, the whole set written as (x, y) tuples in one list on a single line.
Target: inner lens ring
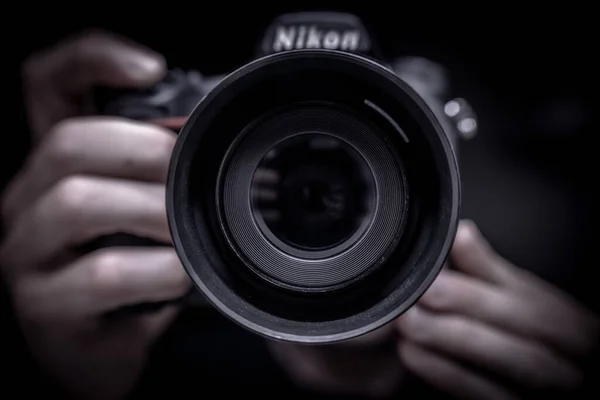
[(358, 177), (246, 237)]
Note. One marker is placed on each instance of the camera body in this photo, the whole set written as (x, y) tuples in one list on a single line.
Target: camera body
[(313, 193), (172, 100)]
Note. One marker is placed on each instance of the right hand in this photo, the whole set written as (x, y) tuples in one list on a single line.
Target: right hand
[(88, 177)]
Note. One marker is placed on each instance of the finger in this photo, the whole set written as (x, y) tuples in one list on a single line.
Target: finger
[(94, 146), (95, 58), (58, 81), (103, 281), (473, 255), (449, 376), (523, 361), (552, 322), (573, 329), (79, 209)]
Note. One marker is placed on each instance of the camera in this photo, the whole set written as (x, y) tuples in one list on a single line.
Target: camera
[(313, 193)]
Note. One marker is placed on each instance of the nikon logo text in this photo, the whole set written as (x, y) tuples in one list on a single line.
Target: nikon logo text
[(310, 37)]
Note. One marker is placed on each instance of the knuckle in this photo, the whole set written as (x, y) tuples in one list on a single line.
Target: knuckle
[(71, 196), (468, 297), (61, 148), (106, 270), (443, 296), (457, 331)]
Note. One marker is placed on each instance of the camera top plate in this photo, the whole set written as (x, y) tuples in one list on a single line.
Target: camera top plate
[(318, 30)]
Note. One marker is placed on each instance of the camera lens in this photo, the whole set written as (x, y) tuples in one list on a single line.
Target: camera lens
[(313, 196), (313, 193)]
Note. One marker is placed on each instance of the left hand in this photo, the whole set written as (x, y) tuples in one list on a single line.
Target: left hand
[(488, 316)]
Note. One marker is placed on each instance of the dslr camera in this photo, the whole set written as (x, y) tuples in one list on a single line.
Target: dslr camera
[(313, 193)]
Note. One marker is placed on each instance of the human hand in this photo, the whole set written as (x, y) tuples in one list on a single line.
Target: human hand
[(58, 82), (89, 177), (489, 318)]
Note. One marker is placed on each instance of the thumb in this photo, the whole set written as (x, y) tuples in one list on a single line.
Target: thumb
[(473, 255), (95, 58)]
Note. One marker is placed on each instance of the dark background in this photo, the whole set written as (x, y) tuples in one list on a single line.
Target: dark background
[(527, 178)]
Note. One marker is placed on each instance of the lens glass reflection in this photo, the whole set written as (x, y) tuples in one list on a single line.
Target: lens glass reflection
[(312, 192)]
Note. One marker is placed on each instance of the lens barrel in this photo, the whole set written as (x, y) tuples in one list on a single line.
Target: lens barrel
[(313, 196)]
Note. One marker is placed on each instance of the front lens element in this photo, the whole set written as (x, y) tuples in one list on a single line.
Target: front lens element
[(313, 192)]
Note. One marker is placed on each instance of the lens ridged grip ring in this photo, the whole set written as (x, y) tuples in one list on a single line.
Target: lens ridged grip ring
[(272, 262)]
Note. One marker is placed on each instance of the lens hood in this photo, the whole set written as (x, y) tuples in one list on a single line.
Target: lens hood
[(379, 175)]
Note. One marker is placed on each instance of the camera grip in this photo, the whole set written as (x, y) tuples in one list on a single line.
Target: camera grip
[(175, 96)]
